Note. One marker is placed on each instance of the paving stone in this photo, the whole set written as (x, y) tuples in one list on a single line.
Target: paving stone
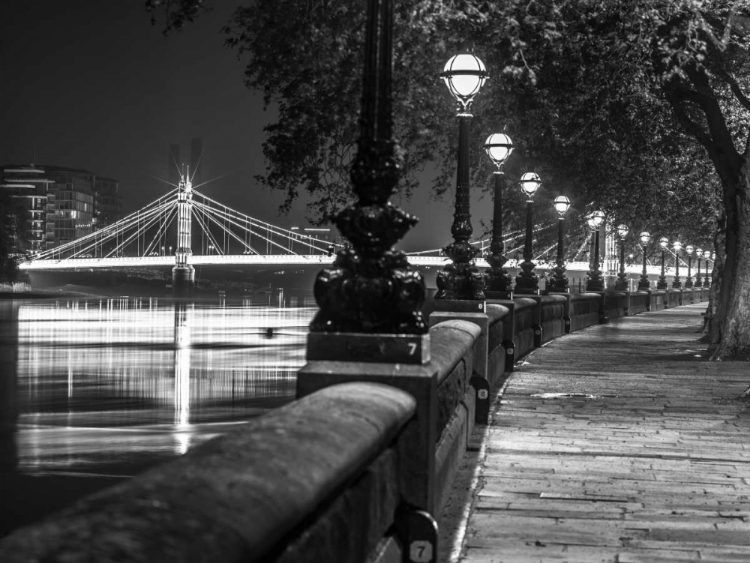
[(644, 456)]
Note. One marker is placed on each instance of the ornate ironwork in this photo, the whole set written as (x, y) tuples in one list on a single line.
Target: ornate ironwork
[(622, 277), (644, 284), (497, 277), (558, 279), (461, 279), (676, 283), (370, 288), (594, 280), (527, 282), (662, 283)]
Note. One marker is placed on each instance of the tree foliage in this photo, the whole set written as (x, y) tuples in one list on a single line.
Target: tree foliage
[(639, 107)]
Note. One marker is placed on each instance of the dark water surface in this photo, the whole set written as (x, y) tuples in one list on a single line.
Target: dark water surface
[(93, 391)]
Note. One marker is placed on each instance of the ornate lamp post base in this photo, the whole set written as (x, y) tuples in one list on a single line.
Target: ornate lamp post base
[(498, 282), (460, 279), (594, 280), (527, 282), (357, 347), (558, 281)]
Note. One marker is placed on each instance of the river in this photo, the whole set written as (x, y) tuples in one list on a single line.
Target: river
[(95, 390)]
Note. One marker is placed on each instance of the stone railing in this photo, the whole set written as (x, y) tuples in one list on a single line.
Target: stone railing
[(354, 470)]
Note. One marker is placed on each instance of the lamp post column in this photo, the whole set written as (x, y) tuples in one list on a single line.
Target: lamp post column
[(698, 255), (662, 283), (676, 283), (594, 281), (498, 281), (498, 278), (644, 284), (689, 281), (559, 281), (461, 279), (622, 278), (527, 282)]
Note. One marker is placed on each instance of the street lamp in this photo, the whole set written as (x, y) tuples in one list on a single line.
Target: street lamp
[(662, 283), (622, 278), (689, 251), (698, 255), (527, 282), (464, 74), (558, 279), (594, 281), (644, 284), (677, 246), (498, 147)]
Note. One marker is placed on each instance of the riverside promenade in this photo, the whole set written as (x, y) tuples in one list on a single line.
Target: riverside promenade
[(619, 443)]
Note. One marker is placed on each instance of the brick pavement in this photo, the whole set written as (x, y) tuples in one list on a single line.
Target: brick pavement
[(620, 443)]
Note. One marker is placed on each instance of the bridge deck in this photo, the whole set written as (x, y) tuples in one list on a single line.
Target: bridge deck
[(643, 457)]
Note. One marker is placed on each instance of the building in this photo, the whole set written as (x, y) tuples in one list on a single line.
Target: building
[(30, 183), (64, 203), (107, 202), (70, 205)]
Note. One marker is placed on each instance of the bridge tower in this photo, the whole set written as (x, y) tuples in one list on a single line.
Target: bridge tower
[(183, 273)]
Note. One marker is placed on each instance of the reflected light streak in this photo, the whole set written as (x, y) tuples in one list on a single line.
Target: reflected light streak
[(111, 380), (182, 365)]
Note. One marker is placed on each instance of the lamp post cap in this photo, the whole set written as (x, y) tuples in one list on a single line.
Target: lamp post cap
[(530, 183), (498, 147), (622, 230), (562, 204), (464, 75), (595, 218)]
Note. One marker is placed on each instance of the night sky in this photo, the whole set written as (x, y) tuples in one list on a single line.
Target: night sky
[(92, 84)]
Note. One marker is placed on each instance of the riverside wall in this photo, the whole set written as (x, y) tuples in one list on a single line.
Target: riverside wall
[(354, 470)]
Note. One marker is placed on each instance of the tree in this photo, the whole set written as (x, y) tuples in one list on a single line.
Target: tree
[(637, 106)]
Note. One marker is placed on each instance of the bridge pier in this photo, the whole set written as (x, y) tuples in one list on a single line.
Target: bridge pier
[(183, 279)]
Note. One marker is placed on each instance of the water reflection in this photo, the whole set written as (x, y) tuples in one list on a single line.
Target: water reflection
[(110, 386)]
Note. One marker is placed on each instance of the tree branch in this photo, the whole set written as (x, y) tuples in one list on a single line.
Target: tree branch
[(715, 120), (676, 98)]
